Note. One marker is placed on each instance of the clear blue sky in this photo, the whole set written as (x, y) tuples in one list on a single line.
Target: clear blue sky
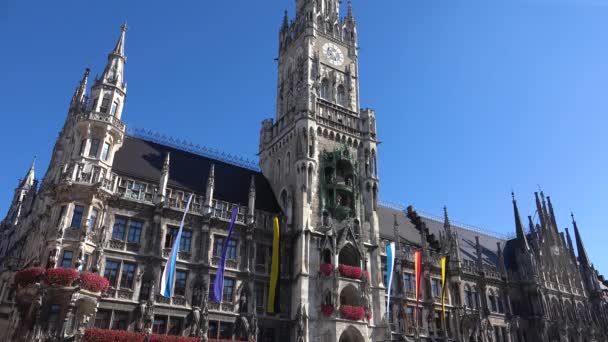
[(473, 98)]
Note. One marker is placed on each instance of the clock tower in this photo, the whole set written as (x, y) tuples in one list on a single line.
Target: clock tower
[(320, 156)]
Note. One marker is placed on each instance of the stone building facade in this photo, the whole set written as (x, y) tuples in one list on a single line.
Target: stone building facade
[(111, 201)]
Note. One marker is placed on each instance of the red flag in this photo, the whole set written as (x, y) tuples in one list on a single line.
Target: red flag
[(417, 267)]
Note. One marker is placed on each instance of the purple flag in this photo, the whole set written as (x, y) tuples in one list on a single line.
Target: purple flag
[(218, 286)]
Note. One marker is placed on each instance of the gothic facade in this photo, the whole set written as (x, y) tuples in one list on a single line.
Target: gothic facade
[(110, 203)]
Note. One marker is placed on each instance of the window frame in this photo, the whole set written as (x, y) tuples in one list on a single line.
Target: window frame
[(77, 214), (94, 148), (105, 151), (134, 226), (127, 280), (63, 258), (178, 278), (113, 279)]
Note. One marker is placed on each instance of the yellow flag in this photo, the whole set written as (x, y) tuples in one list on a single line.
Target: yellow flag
[(444, 266), (273, 294)]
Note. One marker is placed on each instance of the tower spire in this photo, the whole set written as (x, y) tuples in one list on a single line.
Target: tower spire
[(119, 49), (81, 91), (349, 13), (582, 254), (570, 246), (521, 235), (30, 176), (113, 73)]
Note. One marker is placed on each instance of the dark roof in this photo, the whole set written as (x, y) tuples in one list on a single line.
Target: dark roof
[(143, 160), (408, 231)]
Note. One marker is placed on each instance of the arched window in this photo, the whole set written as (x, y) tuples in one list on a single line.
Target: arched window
[(475, 298), (468, 299), (287, 163), (279, 170), (326, 256), (349, 256), (325, 89), (492, 301), (499, 300), (341, 95), (374, 163), (311, 146)]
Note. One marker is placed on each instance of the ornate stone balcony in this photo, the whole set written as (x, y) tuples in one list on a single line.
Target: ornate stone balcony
[(105, 118), (230, 263)]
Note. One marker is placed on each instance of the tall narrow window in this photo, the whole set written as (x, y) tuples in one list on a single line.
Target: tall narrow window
[(94, 148), (93, 218), (228, 290), (105, 151), (111, 272), (66, 259), (53, 318), (160, 325), (170, 236), (341, 96), (325, 89), (127, 275), (134, 231), (83, 145), (230, 249), (77, 217), (105, 104), (175, 326), (118, 232), (102, 319), (180, 283), (114, 107), (185, 241), (120, 321)]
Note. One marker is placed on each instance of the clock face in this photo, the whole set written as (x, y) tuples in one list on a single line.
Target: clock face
[(333, 53)]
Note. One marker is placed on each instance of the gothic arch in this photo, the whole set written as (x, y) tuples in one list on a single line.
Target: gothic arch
[(350, 296), (349, 255), (351, 334)]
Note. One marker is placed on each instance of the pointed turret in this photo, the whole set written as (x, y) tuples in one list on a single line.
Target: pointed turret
[(209, 189), (349, 11), (582, 254), (251, 201), (521, 235), (500, 259), (164, 179), (109, 91), (539, 210), (113, 72), (570, 246), (79, 98), (30, 177), (552, 218), (478, 252), (531, 226), (285, 24), (446, 221)]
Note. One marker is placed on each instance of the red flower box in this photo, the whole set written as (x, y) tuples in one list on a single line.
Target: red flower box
[(94, 282), (327, 310), (355, 313), (169, 338), (327, 268), (103, 335), (28, 276), (60, 276), (352, 272)]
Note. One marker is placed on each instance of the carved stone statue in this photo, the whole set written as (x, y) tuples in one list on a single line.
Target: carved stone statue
[(253, 327), (300, 323), (196, 320), (205, 318), (243, 300)]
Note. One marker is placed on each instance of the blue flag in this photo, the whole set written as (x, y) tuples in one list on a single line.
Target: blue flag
[(166, 282), (218, 285)]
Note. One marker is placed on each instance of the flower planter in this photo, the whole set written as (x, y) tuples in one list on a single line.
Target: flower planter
[(103, 335), (94, 282), (169, 338), (352, 272), (28, 276), (355, 313), (60, 276), (327, 310), (327, 269)]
